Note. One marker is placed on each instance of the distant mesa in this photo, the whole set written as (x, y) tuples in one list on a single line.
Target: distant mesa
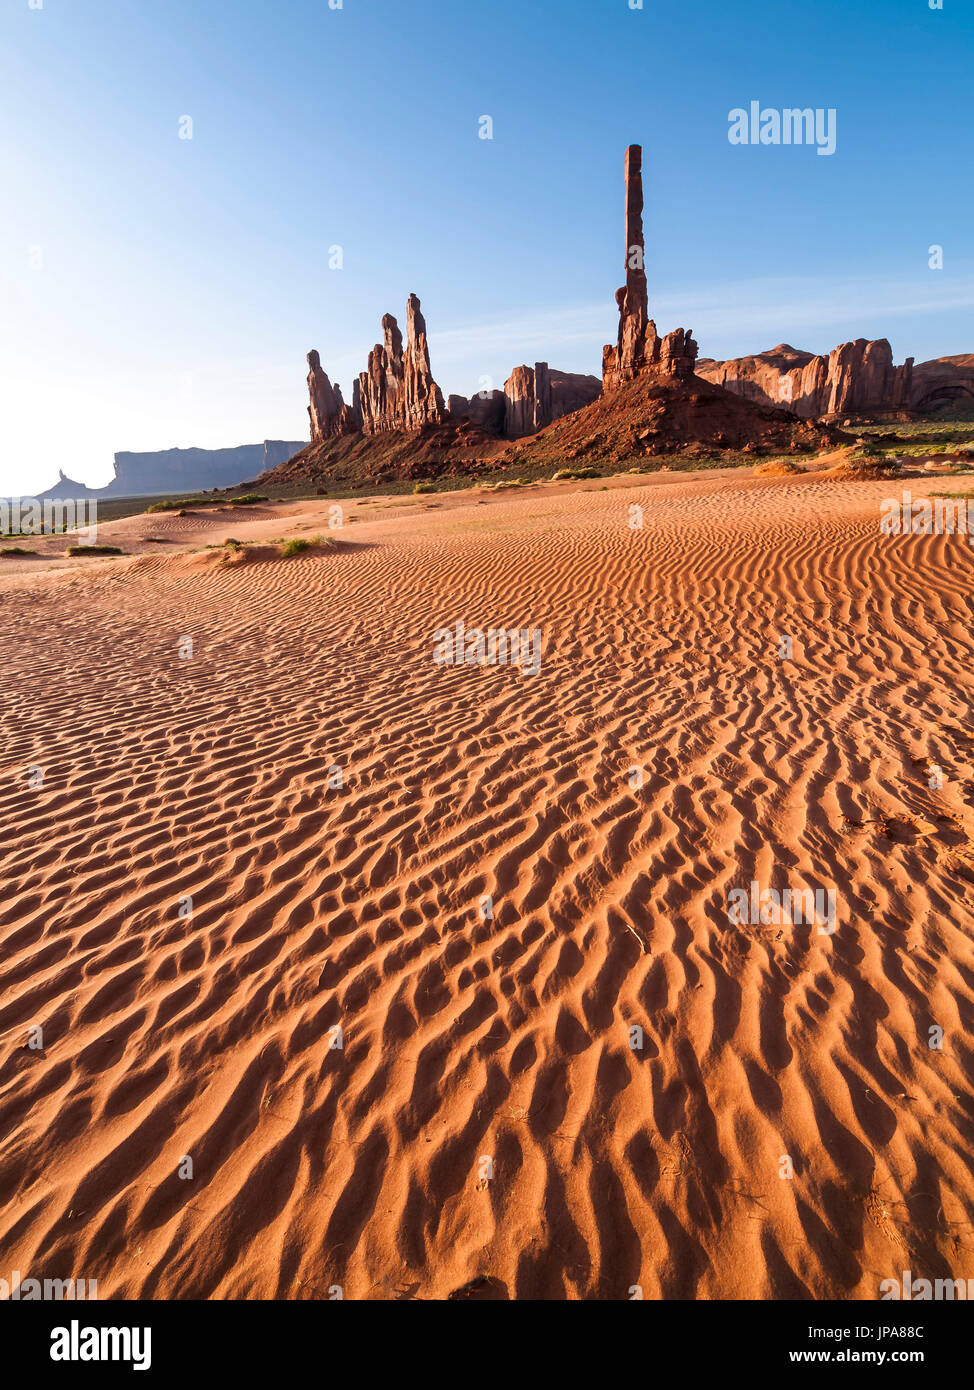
[(180, 470)]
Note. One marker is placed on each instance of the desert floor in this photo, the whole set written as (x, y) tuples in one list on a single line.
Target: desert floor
[(196, 902)]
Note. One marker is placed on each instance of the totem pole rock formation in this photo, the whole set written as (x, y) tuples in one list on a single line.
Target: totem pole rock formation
[(640, 351)]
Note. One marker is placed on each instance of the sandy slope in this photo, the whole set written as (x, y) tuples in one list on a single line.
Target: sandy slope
[(316, 905)]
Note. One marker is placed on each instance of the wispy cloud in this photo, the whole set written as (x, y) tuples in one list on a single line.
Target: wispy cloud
[(728, 319)]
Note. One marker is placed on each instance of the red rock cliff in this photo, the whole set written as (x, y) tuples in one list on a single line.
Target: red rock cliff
[(856, 378)]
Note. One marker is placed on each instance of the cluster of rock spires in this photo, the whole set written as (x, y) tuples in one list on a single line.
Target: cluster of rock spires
[(654, 395), (397, 392)]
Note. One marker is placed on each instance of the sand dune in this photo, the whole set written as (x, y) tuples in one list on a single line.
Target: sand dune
[(354, 902)]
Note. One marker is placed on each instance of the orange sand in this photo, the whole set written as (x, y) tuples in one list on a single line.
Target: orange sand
[(509, 1040)]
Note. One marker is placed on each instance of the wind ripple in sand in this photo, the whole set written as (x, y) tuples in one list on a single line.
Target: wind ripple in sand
[(318, 906)]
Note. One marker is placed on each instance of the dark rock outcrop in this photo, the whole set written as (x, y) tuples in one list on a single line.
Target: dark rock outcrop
[(533, 398), (528, 396), (942, 383), (571, 390), (486, 409)]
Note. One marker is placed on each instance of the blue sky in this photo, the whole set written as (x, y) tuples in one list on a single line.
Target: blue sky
[(157, 291)]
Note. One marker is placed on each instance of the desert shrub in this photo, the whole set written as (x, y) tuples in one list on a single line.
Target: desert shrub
[(503, 484), (175, 504), (777, 468), (294, 547), (16, 550), (420, 488), (564, 474), (94, 550)]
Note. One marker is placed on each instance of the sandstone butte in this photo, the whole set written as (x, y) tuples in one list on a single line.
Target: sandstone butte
[(857, 378)]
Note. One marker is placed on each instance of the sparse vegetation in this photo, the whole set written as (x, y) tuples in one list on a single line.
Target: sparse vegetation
[(178, 504), (777, 468), (94, 550), (564, 474), (297, 544), (504, 483), (420, 488), (16, 550)]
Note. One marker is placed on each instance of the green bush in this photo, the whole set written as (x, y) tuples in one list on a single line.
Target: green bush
[(565, 473), (175, 504)]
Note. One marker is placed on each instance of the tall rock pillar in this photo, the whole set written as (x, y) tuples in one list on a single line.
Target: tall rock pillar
[(639, 350)]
